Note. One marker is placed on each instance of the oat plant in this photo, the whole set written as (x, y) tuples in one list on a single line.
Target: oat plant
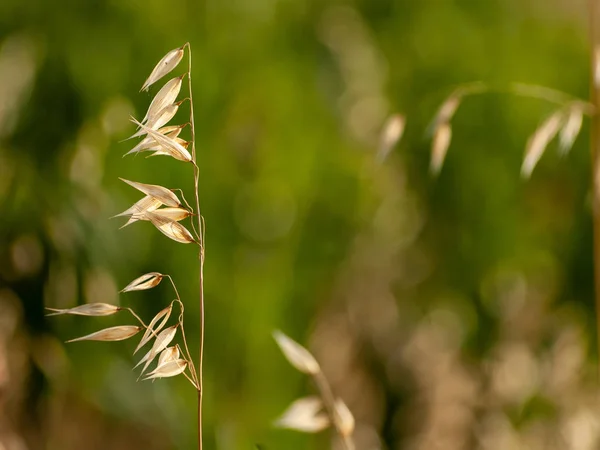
[(168, 354)]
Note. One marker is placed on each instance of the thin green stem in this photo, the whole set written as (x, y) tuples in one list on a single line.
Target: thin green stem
[(201, 245)]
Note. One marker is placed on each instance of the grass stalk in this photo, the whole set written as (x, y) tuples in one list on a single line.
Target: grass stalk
[(201, 245), (594, 10)]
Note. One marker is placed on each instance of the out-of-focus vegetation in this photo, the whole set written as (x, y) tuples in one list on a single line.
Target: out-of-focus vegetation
[(450, 313)]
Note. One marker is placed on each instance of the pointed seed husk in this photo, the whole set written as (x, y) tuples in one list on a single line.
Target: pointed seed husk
[(164, 66), (169, 145), (439, 147), (539, 141), (571, 128), (118, 333), (175, 214), (146, 281), (167, 355), (90, 309), (151, 331), (171, 229), (297, 355), (344, 420), (163, 339), (390, 135), (170, 369), (304, 414), (165, 97), (164, 195)]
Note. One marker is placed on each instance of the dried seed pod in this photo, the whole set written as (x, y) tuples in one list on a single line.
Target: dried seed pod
[(165, 97), (149, 144), (305, 415), (390, 135), (539, 141), (439, 147), (175, 214), (344, 420), (90, 309), (297, 355), (169, 145), (167, 355), (161, 118), (151, 330), (163, 339), (170, 369), (171, 229), (164, 195), (118, 333), (148, 203), (571, 128), (448, 108), (164, 66), (147, 281)]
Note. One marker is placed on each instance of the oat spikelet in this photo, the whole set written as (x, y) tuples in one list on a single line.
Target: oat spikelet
[(146, 281), (165, 97), (169, 369), (111, 334), (163, 339), (153, 328), (305, 414), (149, 144), (297, 355), (90, 309), (390, 135), (171, 146), (171, 229), (439, 147), (164, 195), (164, 66), (571, 128), (174, 214), (539, 141), (344, 420)]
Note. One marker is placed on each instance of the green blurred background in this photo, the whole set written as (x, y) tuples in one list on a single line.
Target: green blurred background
[(450, 312)]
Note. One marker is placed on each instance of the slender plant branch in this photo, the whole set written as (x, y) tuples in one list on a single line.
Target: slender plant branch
[(201, 245), (136, 316)]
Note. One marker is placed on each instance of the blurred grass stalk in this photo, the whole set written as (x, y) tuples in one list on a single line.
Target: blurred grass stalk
[(594, 10)]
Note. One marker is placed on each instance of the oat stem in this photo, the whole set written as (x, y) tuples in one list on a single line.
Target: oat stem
[(594, 10), (201, 245), (329, 402)]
